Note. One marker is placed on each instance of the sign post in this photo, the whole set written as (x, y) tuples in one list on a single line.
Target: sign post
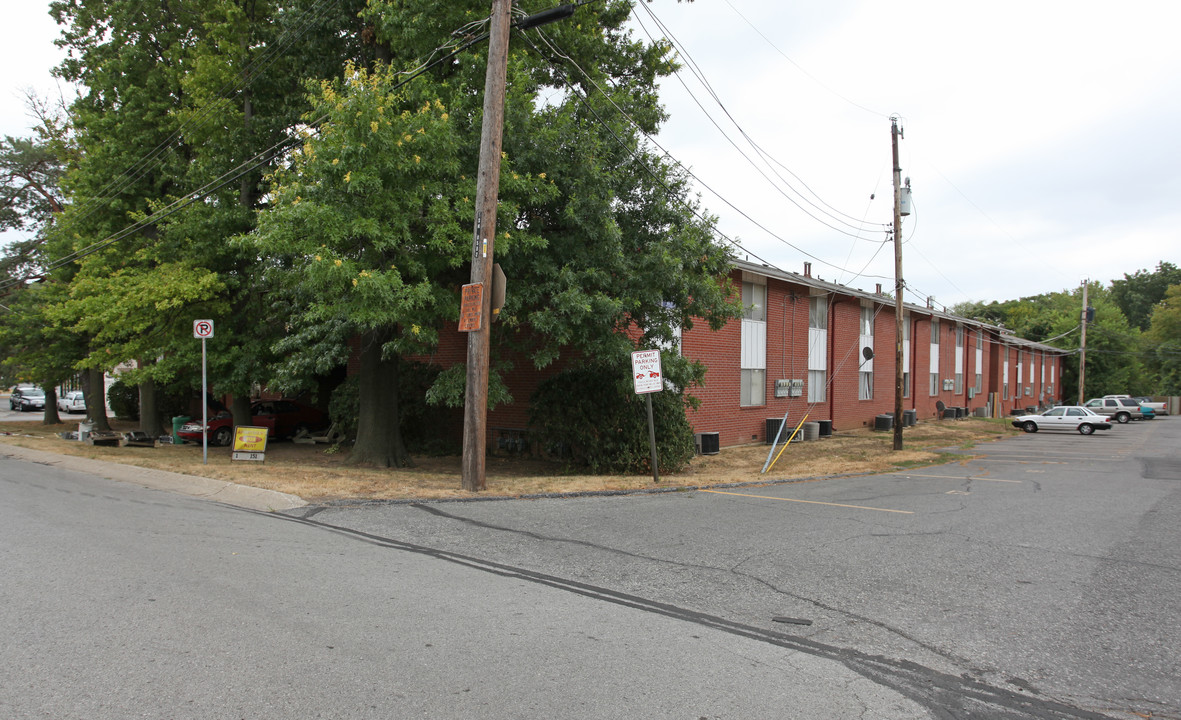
[(203, 330), (647, 377)]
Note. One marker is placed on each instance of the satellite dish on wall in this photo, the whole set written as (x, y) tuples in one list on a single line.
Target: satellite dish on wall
[(867, 353)]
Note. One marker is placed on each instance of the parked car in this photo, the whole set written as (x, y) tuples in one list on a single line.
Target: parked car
[(282, 418), (1160, 408), (72, 402), (26, 398), (1064, 417), (1120, 409)]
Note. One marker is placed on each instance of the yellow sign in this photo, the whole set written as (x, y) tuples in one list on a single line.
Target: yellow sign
[(250, 443)]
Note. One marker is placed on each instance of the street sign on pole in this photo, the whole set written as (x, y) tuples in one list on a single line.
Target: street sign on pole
[(648, 378), (203, 330), (646, 371)]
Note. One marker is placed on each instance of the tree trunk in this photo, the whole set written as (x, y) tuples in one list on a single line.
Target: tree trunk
[(240, 409), (95, 388), (51, 417), (150, 421), (379, 434)]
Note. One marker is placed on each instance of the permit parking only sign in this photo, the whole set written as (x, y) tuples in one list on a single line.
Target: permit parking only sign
[(646, 371)]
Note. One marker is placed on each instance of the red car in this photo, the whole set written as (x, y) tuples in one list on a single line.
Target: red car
[(282, 418)]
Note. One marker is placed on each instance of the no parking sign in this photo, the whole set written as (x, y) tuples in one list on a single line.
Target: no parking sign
[(202, 329)]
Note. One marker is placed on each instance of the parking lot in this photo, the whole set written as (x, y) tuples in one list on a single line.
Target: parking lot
[(1046, 563)]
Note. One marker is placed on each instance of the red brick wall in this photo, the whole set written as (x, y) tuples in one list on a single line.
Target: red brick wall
[(787, 358)]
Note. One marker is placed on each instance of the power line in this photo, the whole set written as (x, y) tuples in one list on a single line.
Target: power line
[(154, 158), (799, 67), (687, 171), (835, 215), (258, 160)]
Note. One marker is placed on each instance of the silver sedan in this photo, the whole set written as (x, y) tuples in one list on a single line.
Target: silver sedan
[(1064, 417)]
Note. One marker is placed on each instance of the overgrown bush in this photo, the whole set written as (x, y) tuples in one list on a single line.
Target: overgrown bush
[(426, 429), (124, 400), (592, 417)]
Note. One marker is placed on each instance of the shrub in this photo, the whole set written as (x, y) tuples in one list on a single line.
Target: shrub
[(426, 429), (124, 400), (592, 416), (343, 407)]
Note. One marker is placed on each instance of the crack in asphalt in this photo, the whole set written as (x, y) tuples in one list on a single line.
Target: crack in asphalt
[(734, 570), (946, 696)]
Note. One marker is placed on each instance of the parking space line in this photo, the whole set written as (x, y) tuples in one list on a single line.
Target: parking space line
[(810, 502), (962, 477)]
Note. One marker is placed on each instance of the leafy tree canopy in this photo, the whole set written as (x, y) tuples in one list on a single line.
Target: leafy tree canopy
[(1137, 294)]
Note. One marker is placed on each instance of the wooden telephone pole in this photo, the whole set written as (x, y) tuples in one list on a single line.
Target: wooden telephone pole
[(475, 415), (895, 132), (1082, 353)]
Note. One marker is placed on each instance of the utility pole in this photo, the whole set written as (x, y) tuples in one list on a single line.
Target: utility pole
[(895, 133), (475, 418), (1082, 354)]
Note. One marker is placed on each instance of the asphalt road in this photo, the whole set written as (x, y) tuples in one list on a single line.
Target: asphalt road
[(1040, 581)]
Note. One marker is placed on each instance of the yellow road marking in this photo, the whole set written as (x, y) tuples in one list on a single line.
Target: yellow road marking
[(810, 502)]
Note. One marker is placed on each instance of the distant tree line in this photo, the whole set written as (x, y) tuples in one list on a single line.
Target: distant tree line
[(1133, 342)]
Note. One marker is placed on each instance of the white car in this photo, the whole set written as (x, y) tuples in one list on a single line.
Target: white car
[(72, 402), (1064, 417)]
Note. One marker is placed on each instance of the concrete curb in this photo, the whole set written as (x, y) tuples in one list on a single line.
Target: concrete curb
[(222, 491)]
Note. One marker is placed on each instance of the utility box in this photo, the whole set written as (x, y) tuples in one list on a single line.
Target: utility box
[(708, 443)]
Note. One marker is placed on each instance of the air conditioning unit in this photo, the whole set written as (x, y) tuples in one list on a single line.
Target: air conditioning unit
[(773, 429), (707, 443)]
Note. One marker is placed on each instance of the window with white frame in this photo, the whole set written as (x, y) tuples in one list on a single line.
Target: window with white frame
[(979, 361), (934, 357), (1020, 375), (817, 348), (905, 355), (959, 359), (1005, 384), (753, 364), (865, 371)]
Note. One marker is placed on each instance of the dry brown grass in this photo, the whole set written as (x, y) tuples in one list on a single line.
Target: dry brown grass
[(318, 475)]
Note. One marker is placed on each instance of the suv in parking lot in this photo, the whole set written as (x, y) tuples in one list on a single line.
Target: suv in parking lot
[(1120, 409)]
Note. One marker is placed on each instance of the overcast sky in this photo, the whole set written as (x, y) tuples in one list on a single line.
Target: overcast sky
[(1041, 138)]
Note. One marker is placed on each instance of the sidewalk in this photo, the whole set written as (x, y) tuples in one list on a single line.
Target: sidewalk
[(200, 487)]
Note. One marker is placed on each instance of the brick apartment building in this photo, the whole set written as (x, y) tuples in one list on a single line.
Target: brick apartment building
[(799, 349)]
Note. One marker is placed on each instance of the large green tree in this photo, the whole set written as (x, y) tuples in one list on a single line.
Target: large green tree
[(365, 237), (1137, 294), (129, 56), (182, 103), (1164, 340), (1114, 349), (32, 348), (371, 224)]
